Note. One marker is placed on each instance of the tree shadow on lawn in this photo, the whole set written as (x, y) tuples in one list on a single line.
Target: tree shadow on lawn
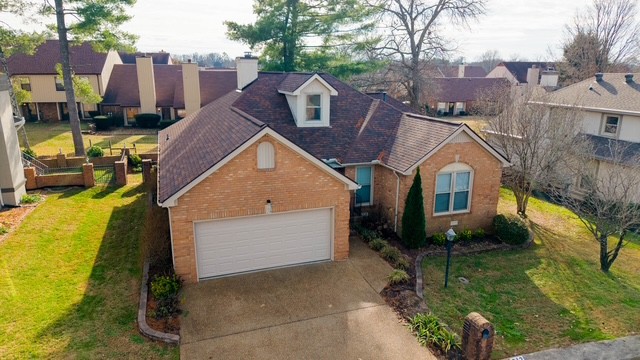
[(103, 323), (537, 298)]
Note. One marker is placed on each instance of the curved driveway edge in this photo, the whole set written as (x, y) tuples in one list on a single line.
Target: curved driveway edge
[(142, 314)]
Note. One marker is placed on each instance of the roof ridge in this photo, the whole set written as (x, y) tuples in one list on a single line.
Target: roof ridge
[(429, 118), (372, 110), (246, 116)]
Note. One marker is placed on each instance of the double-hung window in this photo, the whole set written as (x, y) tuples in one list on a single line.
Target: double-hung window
[(611, 125), (314, 110), (453, 192)]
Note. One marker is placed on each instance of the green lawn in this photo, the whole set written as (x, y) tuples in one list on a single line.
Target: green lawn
[(49, 138), (552, 294), (70, 279)]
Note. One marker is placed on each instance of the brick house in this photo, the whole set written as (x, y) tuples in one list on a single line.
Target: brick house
[(266, 176)]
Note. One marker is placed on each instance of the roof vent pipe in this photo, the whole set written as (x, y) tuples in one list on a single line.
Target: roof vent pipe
[(628, 78), (599, 76)]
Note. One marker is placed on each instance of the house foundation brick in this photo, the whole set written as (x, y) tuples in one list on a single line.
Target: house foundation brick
[(239, 189)]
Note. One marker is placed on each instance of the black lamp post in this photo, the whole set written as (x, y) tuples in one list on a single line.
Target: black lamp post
[(451, 235)]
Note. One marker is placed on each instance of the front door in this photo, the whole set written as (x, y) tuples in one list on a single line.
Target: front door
[(364, 177)]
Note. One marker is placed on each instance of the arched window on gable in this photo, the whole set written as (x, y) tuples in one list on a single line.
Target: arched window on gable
[(266, 156), (454, 183)]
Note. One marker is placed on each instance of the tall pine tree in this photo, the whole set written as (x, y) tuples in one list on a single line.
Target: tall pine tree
[(414, 223)]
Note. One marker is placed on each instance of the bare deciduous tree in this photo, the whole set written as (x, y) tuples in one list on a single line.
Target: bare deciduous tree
[(489, 60), (532, 136), (604, 192), (608, 32), (412, 38)]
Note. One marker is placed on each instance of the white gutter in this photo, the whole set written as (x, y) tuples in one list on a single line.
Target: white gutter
[(395, 215)]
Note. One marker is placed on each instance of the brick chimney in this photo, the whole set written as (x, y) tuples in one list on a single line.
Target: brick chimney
[(461, 69), (533, 74), (146, 85), (191, 86), (246, 69)]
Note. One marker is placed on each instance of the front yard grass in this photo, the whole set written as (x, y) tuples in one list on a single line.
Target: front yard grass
[(49, 138), (70, 279), (552, 294)]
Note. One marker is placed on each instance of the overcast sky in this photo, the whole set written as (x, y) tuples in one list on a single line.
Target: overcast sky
[(523, 27)]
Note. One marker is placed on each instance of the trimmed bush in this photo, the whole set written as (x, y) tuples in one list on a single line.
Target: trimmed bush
[(136, 162), (368, 234), (147, 120), (95, 151), (378, 244), (430, 331), (390, 253), (439, 239), (398, 276), (510, 230), (479, 234), (102, 122), (414, 223), (164, 289), (30, 152), (465, 235), (462, 113), (166, 123)]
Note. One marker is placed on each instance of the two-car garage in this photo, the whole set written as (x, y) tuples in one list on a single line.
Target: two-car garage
[(251, 243)]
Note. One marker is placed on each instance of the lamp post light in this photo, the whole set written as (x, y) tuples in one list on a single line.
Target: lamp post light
[(451, 235)]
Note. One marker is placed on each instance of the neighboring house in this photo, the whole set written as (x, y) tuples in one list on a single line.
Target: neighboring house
[(456, 96), (521, 73), (145, 87), (12, 180), (610, 103), (461, 71), (266, 176), (37, 74), (159, 58)]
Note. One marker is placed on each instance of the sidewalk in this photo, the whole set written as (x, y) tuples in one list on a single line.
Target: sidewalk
[(627, 348)]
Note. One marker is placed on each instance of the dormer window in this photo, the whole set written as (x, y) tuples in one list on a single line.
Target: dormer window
[(314, 107)]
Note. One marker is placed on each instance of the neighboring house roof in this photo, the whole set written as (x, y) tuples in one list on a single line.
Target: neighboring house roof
[(363, 130), (158, 58), (123, 85), (84, 60), (465, 89), (452, 71), (620, 151), (383, 96), (612, 94), (519, 68)]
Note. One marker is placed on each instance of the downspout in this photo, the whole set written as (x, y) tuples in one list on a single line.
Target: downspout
[(395, 216)]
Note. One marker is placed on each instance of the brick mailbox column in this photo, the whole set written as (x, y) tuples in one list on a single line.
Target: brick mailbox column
[(121, 172), (61, 160), (88, 175), (30, 175), (477, 337)]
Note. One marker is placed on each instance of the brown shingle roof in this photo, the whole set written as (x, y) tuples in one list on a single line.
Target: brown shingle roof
[(519, 69), (158, 58), (84, 60), (196, 143), (610, 94), (391, 101), (123, 85), (293, 81), (465, 89)]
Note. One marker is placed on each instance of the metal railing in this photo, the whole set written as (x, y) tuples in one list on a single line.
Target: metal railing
[(30, 161)]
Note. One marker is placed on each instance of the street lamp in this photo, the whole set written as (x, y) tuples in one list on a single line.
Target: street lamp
[(451, 235)]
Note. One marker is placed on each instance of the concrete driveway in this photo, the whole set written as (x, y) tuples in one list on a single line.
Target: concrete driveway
[(319, 311)]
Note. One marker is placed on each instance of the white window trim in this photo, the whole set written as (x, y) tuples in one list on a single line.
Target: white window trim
[(453, 169), (261, 146), (603, 125), (306, 107), (370, 192)]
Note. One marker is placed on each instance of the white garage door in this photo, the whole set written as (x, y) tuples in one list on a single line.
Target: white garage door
[(261, 242)]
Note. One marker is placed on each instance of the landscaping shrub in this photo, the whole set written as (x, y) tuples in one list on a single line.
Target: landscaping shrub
[(391, 253), (414, 224), (30, 198), (95, 151), (136, 162), (378, 244), (30, 152), (398, 276), (430, 331), (510, 230), (464, 235), (462, 113), (439, 239), (102, 122), (164, 289), (156, 239), (3, 230), (479, 234), (368, 234), (147, 120), (403, 263), (166, 123)]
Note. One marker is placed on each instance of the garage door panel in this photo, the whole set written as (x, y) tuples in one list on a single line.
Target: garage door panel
[(253, 243)]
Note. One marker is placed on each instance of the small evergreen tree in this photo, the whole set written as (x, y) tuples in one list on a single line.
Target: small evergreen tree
[(414, 223)]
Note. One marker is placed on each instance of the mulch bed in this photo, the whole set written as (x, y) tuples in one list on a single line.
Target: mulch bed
[(171, 324)]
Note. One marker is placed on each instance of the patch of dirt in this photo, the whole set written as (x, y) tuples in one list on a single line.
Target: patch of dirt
[(169, 325), (12, 217)]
